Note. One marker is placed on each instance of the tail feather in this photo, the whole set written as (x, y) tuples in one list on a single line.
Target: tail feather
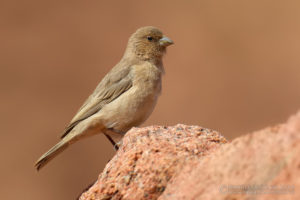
[(53, 152), (78, 132)]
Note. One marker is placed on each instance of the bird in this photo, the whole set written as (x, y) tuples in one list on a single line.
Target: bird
[(124, 98)]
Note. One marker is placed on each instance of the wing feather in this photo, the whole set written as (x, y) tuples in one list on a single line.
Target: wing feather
[(114, 84)]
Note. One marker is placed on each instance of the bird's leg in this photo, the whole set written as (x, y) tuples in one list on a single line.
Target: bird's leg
[(116, 146), (113, 135)]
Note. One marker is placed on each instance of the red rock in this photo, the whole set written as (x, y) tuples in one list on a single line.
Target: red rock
[(263, 165), (190, 162), (148, 158)]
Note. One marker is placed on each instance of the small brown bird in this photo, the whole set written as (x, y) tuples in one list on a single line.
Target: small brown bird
[(124, 98)]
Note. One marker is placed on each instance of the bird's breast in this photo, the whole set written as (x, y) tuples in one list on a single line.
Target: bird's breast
[(134, 106), (147, 78)]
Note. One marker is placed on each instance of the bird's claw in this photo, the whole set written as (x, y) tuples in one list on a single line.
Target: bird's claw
[(117, 145)]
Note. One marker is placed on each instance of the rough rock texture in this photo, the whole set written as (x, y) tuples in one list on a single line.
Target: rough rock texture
[(189, 162), (148, 158), (263, 165)]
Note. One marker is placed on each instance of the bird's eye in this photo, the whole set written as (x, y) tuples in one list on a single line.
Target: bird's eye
[(149, 38)]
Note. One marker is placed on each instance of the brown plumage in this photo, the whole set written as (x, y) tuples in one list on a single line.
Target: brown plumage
[(124, 98)]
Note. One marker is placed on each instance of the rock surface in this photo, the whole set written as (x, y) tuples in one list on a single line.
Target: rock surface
[(262, 165), (191, 162), (148, 158)]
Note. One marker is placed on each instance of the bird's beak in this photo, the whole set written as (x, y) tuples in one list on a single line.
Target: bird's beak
[(165, 41)]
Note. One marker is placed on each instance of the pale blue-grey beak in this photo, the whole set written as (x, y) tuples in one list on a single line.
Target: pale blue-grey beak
[(165, 41)]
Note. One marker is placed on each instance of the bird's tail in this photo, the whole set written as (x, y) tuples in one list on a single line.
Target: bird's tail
[(53, 152)]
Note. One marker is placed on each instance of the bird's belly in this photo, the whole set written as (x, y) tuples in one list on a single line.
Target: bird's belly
[(130, 109)]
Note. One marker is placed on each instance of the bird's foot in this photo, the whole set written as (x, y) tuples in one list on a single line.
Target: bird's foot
[(117, 145)]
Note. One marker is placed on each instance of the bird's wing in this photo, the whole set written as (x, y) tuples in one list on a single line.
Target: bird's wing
[(114, 84)]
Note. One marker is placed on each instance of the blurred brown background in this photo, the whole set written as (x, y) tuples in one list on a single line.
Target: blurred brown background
[(234, 68)]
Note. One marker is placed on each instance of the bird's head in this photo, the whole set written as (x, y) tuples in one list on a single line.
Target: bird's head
[(148, 43)]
